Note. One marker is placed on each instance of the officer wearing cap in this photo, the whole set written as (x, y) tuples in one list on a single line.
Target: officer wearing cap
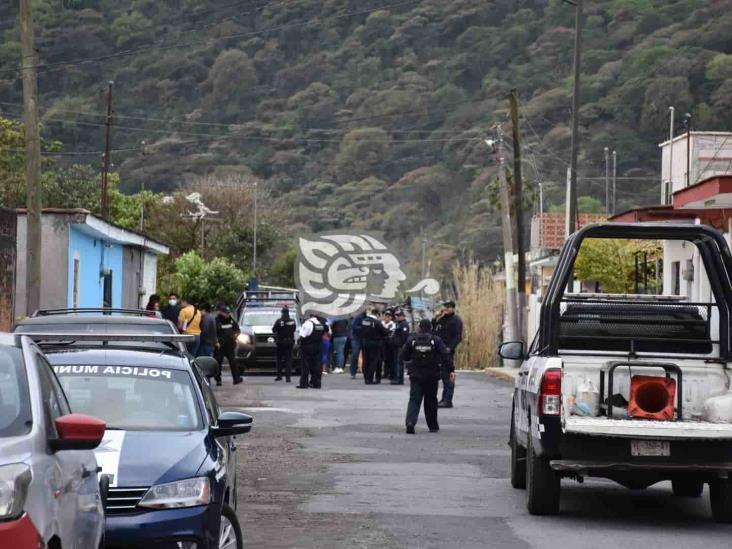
[(449, 327), (424, 354), (401, 335), (227, 330), (284, 333)]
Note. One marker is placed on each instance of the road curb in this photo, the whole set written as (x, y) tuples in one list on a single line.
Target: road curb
[(502, 374)]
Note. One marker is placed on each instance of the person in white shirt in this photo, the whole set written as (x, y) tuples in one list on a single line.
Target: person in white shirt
[(311, 348)]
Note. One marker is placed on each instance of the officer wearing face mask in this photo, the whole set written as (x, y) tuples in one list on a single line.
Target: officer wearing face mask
[(171, 311)]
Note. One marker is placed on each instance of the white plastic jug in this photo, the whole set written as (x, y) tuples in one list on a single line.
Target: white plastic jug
[(587, 400), (718, 409)]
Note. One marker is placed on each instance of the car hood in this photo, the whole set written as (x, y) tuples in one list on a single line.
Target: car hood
[(144, 458)]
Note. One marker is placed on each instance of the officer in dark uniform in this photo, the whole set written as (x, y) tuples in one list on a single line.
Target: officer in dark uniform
[(373, 333), (401, 335), (311, 348), (424, 353), (227, 330), (449, 327), (284, 333)]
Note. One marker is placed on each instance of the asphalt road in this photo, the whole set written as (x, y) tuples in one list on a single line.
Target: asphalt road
[(334, 469)]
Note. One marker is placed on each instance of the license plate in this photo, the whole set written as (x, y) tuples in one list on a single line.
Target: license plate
[(649, 448)]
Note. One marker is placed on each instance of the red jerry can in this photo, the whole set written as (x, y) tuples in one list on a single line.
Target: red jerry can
[(652, 397)]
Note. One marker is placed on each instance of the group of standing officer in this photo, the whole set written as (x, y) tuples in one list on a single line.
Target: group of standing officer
[(387, 348)]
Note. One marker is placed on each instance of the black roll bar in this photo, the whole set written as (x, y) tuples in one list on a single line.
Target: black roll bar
[(713, 250)]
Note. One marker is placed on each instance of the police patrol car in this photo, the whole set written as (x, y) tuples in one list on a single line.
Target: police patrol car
[(169, 453)]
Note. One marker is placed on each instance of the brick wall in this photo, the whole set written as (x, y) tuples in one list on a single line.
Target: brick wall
[(547, 230), (7, 267)]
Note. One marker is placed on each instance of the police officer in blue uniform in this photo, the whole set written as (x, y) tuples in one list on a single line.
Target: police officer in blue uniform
[(373, 334), (284, 333), (400, 337), (425, 355), (227, 331), (449, 327), (311, 348)]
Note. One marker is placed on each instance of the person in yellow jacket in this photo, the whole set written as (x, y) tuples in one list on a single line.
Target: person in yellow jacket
[(189, 323)]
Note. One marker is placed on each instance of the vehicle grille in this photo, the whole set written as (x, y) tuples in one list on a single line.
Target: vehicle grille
[(262, 338), (123, 501)]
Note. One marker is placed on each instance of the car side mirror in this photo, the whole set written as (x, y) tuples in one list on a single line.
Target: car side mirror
[(207, 365), (512, 350), (77, 432), (233, 423)]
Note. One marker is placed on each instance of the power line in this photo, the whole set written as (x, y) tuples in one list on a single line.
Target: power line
[(234, 125), (252, 138)]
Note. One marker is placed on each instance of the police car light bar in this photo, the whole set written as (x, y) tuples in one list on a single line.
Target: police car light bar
[(39, 337)]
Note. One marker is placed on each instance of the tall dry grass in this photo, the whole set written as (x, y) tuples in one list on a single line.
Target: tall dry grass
[(480, 304)]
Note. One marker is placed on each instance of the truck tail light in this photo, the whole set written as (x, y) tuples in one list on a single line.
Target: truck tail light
[(550, 395)]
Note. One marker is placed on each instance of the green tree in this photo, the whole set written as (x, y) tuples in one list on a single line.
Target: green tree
[(611, 262), (363, 153), (130, 28), (217, 281)]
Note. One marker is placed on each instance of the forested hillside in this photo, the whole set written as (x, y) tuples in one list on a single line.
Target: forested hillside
[(371, 113)]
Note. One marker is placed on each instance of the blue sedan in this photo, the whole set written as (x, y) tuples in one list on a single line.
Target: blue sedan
[(169, 454)]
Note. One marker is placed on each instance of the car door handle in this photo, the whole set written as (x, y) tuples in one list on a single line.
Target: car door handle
[(522, 373)]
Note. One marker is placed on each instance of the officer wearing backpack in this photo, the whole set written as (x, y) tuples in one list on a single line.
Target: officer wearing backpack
[(424, 354), (284, 332), (311, 346)]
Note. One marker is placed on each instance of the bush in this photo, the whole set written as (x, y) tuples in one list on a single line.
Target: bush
[(480, 305), (216, 281)]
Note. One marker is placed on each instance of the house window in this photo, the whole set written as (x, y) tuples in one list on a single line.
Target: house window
[(667, 192), (75, 290), (676, 278), (107, 298)]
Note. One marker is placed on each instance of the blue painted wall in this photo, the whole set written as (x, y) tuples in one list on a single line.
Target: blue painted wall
[(93, 254)]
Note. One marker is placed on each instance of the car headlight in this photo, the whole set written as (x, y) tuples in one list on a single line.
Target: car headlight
[(183, 493), (244, 339), (14, 481)]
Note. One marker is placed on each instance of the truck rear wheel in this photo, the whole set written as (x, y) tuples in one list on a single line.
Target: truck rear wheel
[(720, 496), (687, 488), (542, 486), (518, 460)]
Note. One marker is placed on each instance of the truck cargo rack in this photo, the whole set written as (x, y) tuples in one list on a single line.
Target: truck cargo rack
[(715, 256)]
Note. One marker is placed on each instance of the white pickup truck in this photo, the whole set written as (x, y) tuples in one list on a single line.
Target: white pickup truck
[(633, 388)]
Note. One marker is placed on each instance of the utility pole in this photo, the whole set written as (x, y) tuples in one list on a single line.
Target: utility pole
[(687, 123), (29, 62), (142, 194), (572, 192), (615, 176), (511, 331), (608, 208), (666, 198), (254, 254), (518, 211), (105, 167)]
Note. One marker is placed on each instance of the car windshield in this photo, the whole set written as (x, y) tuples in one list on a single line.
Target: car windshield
[(132, 398), (260, 318), (15, 412), (96, 327)]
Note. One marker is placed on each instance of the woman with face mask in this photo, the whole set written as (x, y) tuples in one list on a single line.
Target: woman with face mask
[(172, 310)]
